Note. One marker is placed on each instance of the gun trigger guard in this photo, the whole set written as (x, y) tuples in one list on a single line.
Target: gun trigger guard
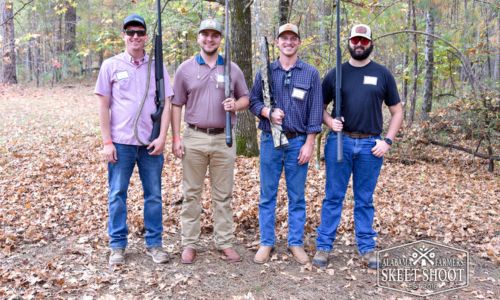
[(271, 110)]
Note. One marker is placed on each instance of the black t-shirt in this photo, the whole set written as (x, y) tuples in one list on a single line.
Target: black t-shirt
[(363, 91)]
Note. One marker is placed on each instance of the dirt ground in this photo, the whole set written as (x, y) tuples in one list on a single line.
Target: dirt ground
[(53, 241), (77, 268)]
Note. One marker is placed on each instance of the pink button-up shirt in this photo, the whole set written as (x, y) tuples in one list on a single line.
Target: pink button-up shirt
[(125, 83)]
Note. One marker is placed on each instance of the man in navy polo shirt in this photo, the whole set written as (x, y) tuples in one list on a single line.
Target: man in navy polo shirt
[(298, 109), (365, 86)]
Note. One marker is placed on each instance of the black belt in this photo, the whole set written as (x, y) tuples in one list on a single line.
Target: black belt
[(292, 135), (212, 131), (358, 135)]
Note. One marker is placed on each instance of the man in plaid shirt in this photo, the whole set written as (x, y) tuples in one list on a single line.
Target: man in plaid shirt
[(298, 109)]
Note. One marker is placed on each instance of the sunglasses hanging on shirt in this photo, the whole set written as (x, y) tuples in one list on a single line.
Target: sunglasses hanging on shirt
[(288, 78)]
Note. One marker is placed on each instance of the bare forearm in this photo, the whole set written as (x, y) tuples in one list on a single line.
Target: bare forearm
[(176, 120), (327, 118), (104, 118), (311, 139), (396, 120), (242, 103)]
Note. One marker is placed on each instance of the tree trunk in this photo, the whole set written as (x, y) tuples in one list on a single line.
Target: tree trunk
[(406, 63), (70, 27), (284, 10), (60, 34), (429, 65), (241, 52), (413, 100), (496, 68), (9, 48)]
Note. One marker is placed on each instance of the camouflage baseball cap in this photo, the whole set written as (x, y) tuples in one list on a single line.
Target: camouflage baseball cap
[(210, 24)]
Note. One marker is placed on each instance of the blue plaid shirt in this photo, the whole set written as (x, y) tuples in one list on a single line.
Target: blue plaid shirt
[(301, 115)]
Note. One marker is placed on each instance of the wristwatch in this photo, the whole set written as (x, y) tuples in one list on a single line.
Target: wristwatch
[(388, 141)]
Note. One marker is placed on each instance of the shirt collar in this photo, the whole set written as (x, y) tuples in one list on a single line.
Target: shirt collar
[(130, 59), (298, 64), (201, 61)]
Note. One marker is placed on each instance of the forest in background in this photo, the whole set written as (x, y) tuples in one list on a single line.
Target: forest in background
[(438, 182), (444, 54)]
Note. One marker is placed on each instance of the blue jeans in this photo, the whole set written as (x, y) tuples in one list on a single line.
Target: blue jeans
[(119, 173), (272, 162), (365, 168)]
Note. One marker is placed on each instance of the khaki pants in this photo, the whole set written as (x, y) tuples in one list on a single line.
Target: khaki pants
[(202, 150)]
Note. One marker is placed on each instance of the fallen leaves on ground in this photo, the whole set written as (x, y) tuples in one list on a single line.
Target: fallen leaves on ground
[(53, 188)]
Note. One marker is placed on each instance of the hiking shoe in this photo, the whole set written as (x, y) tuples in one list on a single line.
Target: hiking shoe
[(117, 257), (371, 259), (320, 259), (159, 256)]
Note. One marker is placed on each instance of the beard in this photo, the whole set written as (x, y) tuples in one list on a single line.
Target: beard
[(210, 53), (360, 56)]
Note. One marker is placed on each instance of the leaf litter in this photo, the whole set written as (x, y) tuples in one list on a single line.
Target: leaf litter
[(53, 215)]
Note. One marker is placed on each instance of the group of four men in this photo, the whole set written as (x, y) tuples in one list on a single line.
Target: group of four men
[(300, 108)]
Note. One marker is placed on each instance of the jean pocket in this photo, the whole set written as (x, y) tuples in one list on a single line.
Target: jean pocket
[(265, 137)]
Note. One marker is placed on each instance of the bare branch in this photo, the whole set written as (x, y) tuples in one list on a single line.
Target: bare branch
[(463, 59), (475, 153), (18, 11)]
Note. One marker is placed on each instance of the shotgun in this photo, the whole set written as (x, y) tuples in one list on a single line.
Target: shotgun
[(159, 78), (279, 139), (338, 84), (227, 75)]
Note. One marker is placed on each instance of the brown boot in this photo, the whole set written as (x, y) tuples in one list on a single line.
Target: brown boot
[(230, 255), (263, 254), (299, 254), (188, 255)]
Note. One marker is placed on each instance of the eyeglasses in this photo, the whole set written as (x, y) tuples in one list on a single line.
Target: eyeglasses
[(131, 33), (364, 41), (288, 78)]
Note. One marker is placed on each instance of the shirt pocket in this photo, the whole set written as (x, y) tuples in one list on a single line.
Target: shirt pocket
[(300, 91), (123, 80)]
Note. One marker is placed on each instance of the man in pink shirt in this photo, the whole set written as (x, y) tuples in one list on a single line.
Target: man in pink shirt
[(120, 88), (199, 86)]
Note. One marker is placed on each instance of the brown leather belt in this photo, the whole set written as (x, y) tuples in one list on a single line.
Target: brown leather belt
[(358, 135), (291, 135), (212, 131)]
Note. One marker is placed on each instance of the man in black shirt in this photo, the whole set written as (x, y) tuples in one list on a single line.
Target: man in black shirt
[(365, 86)]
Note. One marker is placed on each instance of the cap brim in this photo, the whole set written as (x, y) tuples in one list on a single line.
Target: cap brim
[(360, 35), (137, 23), (289, 31)]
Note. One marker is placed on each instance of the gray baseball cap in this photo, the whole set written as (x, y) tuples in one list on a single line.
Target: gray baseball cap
[(134, 19), (210, 24)]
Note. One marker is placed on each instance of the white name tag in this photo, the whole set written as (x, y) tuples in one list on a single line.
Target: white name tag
[(220, 78), (122, 75), (370, 80), (298, 93)]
